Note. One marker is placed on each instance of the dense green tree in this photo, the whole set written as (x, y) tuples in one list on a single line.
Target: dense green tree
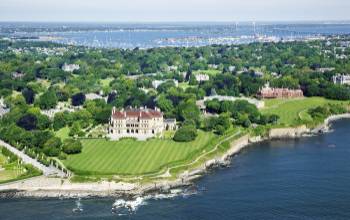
[(48, 100), (29, 95), (188, 111), (78, 99), (52, 147), (28, 122), (185, 134), (71, 146)]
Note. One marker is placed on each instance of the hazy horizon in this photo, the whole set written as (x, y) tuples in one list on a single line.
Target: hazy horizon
[(165, 11)]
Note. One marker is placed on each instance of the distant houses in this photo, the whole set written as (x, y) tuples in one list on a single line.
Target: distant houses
[(213, 66), (201, 77), (325, 69), (93, 96), (17, 75), (341, 79), (258, 74), (272, 93), (61, 107), (172, 68), (232, 68), (70, 67)]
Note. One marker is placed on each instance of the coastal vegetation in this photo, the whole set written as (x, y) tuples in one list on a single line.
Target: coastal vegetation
[(59, 115), (294, 112)]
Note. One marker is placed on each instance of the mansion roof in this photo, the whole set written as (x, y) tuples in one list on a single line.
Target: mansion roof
[(140, 113)]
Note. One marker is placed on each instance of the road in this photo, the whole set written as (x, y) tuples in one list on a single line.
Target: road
[(47, 171)]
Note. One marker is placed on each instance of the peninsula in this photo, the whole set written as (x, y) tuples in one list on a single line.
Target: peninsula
[(78, 121)]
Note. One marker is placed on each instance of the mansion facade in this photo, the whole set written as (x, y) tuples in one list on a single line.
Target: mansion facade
[(139, 123), (283, 93)]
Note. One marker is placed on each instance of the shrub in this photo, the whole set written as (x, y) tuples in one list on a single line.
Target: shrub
[(185, 134), (71, 146), (53, 142), (219, 129), (62, 156), (51, 151)]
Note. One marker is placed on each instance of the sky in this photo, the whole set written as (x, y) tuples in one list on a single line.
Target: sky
[(173, 10)]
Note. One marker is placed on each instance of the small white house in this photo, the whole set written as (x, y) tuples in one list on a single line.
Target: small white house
[(157, 83), (341, 79), (70, 67), (202, 77)]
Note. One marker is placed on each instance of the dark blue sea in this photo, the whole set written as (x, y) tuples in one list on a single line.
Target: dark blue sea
[(308, 178)]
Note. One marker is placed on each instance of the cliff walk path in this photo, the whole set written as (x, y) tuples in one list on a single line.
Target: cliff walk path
[(47, 171), (207, 153)]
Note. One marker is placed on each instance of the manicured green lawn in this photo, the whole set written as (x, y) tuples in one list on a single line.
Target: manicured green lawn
[(129, 157), (209, 72), (63, 133), (290, 110), (185, 85), (106, 82)]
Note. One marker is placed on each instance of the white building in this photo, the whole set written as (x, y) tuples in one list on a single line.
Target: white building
[(17, 75), (157, 83), (341, 79), (258, 74), (325, 69), (70, 67), (61, 107), (93, 96), (172, 68), (3, 109), (202, 77), (231, 68), (213, 66), (139, 123)]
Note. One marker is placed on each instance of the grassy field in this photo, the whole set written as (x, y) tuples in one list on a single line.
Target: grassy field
[(9, 171), (106, 82), (63, 133), (129, 157), (291, 110), (209, 72), (185, 85)]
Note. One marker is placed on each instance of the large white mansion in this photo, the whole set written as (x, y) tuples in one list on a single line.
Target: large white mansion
[(139, 123)]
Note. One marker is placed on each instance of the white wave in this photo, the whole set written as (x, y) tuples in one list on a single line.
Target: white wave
[(121, 205), (131, 205)]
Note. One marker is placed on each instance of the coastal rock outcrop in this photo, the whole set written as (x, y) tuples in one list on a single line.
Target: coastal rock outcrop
[(281, 133)]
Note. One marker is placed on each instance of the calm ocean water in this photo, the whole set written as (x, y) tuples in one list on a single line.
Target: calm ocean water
[(307, 178), (129, 35)]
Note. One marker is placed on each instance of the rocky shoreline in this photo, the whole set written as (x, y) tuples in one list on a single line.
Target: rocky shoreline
[(44, 187)]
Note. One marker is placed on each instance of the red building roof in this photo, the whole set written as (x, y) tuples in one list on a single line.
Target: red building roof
[(137, 113)]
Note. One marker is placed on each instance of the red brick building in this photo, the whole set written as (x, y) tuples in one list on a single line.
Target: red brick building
[(272, 93)]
